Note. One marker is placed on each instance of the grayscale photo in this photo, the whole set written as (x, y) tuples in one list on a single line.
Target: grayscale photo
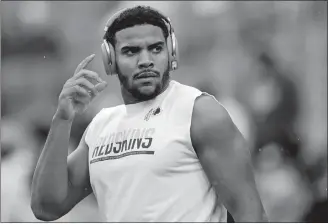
[(164, 111)]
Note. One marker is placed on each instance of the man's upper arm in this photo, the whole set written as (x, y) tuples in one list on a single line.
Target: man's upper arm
[(78, 164), (78, 174), (224, 156)]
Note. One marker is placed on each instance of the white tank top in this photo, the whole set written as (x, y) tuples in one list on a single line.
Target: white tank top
[(142, 165)]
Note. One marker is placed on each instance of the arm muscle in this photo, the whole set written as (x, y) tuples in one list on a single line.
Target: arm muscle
[(59, 183), (225, 158)]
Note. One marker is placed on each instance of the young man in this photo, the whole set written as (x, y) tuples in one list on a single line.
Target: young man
[(170, 153)]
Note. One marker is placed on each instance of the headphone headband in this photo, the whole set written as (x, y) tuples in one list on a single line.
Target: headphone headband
[(113, 17), (165, 19)]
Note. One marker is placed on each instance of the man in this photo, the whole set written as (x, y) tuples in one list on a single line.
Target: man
[(170, 153)]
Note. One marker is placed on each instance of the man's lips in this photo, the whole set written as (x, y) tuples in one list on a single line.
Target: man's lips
[(147, 74)]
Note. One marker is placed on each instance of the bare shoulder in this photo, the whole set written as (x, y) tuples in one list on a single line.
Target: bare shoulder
[(210, 122), (207, 104), (208, 113)]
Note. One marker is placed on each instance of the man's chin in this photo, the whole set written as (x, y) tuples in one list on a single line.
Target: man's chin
[(147, 89), (146, 92)]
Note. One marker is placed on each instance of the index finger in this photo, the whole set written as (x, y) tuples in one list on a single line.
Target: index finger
[(84, 63)]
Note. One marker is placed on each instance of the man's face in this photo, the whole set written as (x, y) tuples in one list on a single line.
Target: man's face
[(142, 60)]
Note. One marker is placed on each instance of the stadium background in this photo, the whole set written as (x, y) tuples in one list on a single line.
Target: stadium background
[(265, 61)]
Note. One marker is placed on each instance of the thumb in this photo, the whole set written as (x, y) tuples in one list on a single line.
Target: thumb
[(101, 86)]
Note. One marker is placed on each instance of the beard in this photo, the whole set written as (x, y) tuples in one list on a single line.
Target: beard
[(134, 90)]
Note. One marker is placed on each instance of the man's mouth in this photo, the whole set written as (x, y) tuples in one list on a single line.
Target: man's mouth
[(147, 74)]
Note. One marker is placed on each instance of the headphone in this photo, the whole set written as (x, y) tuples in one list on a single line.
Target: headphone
[(108, 53)]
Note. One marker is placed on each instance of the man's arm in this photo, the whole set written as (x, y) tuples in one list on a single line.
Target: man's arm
[(59, 183), (225, 158)]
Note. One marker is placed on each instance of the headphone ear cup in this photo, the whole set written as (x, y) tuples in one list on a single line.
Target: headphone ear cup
[(175, 50), (106, 58), (169, 49), (172, 46), (112, 58)]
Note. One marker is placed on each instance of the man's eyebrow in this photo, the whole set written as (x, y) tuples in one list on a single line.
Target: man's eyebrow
[(151, 46), (129, 48), (159, 43)]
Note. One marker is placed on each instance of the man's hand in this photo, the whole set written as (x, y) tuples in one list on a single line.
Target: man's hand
[(79, 91)]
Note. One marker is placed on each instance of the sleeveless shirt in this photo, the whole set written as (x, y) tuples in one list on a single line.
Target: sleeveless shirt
[(142, 165)]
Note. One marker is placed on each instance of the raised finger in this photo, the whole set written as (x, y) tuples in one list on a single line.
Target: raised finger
[(84, 63), (101, 86)]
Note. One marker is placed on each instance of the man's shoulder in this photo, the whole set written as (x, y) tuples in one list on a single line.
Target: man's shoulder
[(184, 90), (209, 113), (102, 117), (211, 123), (107, 112), (184, 86), (111, 109)]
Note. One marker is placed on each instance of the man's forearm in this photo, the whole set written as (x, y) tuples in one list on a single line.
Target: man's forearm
[(50, 179), (249, 208), (250, 216)]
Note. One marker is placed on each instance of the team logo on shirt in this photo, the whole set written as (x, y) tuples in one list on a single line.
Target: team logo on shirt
[(153, 112), (124, 143)]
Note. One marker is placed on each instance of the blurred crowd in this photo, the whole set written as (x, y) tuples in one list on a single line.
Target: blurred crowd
[(266, 62)]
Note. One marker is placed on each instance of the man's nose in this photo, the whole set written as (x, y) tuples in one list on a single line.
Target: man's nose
[(145, 60)]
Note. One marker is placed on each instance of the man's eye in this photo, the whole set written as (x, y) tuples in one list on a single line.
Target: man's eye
[(130, 51), (157, 49)]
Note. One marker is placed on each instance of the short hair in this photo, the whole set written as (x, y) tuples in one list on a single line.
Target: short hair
[(138, 15)]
